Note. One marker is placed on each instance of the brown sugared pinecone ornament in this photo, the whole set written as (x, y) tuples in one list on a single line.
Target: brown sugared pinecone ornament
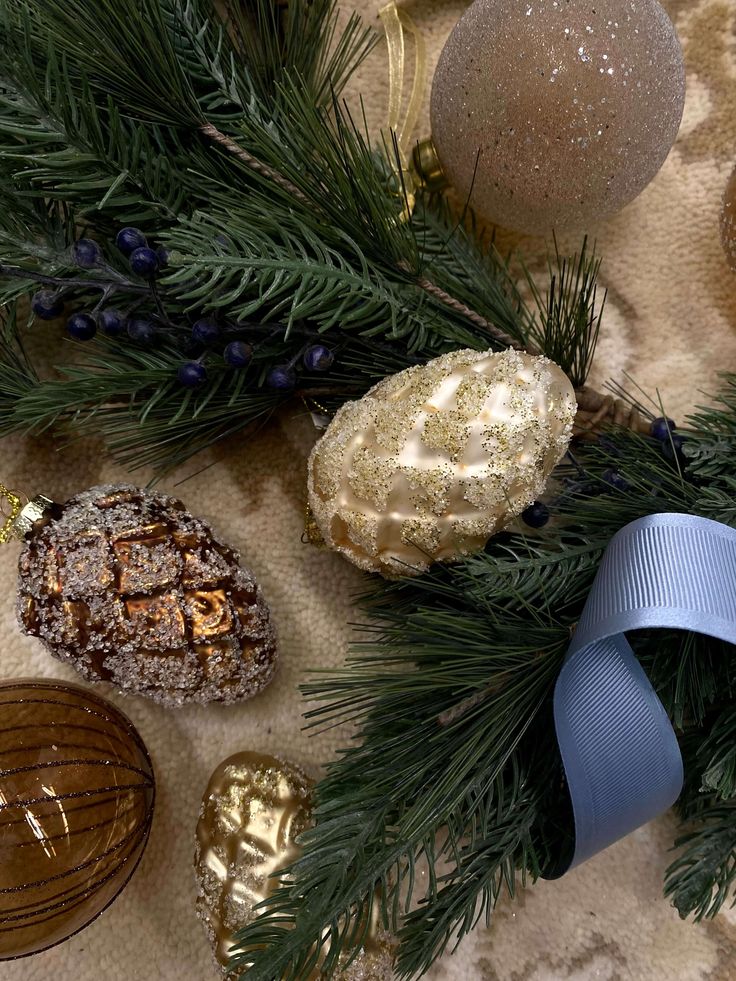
[(128, 587)]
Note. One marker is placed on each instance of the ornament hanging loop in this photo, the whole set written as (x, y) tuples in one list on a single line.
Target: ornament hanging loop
[(10, 509), (397, 24)]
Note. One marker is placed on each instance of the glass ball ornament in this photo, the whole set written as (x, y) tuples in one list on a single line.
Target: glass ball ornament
[(728, 221), (556, 115), (77, 791)]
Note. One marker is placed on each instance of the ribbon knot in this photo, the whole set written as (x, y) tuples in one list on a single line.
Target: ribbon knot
[(619, 750)]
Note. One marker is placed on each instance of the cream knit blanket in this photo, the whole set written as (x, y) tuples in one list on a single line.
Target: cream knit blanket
[(671, 322)]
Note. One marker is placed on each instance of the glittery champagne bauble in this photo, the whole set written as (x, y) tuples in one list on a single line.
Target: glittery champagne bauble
[(128, 587), (556, 113), (253, 810), (76, 803), (436, 459), (728, 221)]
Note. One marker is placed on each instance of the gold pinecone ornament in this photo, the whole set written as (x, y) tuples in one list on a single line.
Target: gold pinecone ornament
[(128, 587), (253, 810), (434, 460)]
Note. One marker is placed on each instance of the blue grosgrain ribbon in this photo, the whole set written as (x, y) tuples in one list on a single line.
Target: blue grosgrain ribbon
[(619, 750)]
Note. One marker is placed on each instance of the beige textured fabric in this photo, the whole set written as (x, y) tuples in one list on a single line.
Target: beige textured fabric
[(671, 321)]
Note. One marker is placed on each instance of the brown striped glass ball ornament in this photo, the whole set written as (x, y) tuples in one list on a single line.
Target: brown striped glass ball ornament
[(728, 221), (76, 803), (129, 587)]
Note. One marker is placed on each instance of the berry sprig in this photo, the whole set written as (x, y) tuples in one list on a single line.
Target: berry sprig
[(206, 339)]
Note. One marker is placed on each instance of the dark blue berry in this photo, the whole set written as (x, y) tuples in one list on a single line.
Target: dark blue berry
[(282, 377), (536, 515), (81, 326), (47, 305), (191, 374), (661, 428), (112, 322), (144, 261), (672, 448), (86, 253), (163, 256), (205, 332), (130, 239), (238, 354), (142, 331), (318, 358), (614, 479)]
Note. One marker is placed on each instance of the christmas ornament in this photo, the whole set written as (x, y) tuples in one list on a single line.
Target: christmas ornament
[(77, 793), (436, 459), (548, 114), (728, 221), (128, 587), (253, 810)]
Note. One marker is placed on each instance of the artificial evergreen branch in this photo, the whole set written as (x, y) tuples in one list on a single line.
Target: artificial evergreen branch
[(447, 647)]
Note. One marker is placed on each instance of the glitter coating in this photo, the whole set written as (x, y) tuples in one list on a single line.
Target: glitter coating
[(728, 221), (76, 804), (254, 808), (568, 107), (434, 460), (128, 587)]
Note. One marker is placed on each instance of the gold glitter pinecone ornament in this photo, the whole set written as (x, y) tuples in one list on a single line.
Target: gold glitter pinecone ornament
[(128, 587), (434, 460), (254, 808), (551, 114)]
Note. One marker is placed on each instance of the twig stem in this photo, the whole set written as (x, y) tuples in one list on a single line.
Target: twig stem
[(217, 136)]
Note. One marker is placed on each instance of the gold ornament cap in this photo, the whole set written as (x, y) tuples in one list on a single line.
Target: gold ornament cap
[(23, 521), (426, 167)]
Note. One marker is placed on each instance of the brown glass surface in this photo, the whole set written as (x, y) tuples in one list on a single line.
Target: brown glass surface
[(76, 803)]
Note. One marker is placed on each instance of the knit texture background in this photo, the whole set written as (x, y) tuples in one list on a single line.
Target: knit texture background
[(671, 323)]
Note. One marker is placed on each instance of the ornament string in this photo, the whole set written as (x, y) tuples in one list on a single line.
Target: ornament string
[(396, 24), (10, 508), (619, 750)]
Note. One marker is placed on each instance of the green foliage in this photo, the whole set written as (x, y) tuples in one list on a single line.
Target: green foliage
[(218, 129), (286, 224), (451, 694)]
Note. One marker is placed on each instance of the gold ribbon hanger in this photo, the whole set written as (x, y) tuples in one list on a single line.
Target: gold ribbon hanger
[(397, 24)]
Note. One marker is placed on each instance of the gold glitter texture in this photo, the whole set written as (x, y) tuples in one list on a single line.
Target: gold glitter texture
[(568, 108), (436, 459), (728, 221), (254, 808), (128, 587), (76, 805)]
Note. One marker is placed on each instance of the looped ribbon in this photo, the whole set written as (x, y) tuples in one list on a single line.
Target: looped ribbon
[(10, 507), (396, 24), (619, 750)]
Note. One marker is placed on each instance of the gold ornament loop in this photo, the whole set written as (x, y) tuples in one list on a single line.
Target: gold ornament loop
[(396, 24), (9, 500)]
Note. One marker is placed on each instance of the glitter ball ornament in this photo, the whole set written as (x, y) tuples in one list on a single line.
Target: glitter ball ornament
[(728, 221), (128, 587), (253, 810), (436, 459), (554, 113), (77, 794)]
